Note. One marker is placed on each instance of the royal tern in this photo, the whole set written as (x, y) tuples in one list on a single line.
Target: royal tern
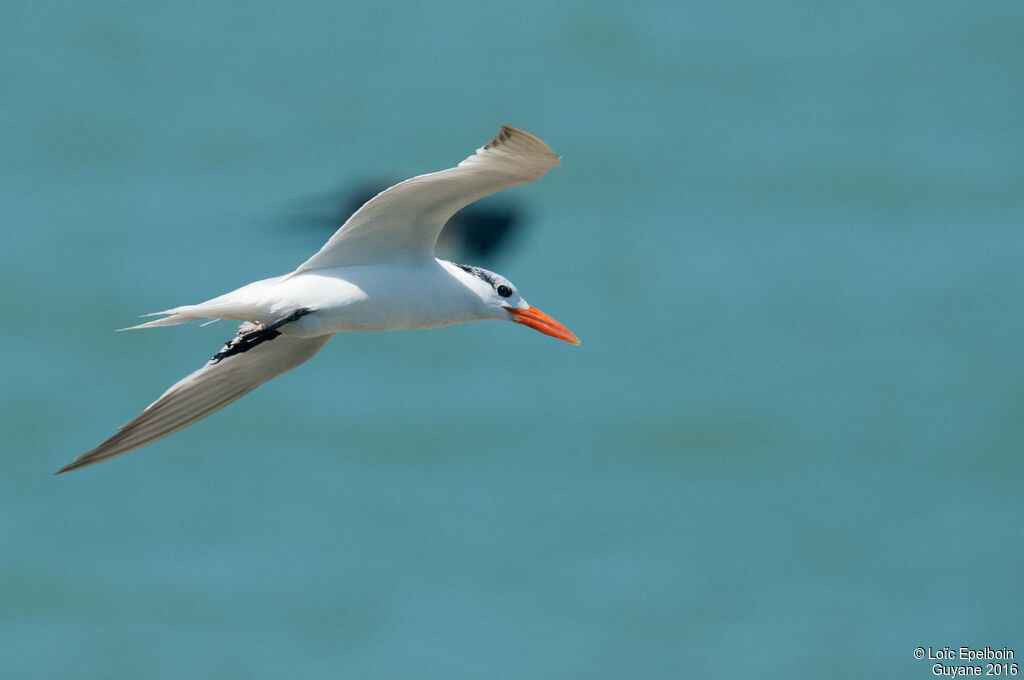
[(376, 273)]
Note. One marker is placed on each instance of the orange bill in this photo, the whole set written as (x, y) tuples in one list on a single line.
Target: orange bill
[(539, 321)]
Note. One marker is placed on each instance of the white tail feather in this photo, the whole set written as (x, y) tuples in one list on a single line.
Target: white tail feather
[(172, 317)]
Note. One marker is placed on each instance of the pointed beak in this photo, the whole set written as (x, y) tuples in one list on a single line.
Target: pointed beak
[(539, 321)]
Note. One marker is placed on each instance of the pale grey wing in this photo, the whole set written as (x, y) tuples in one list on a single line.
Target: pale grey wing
[(209, 389), (402, 223)]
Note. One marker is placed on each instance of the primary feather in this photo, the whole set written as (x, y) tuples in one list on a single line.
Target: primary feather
[(403, 222), (197, 395)]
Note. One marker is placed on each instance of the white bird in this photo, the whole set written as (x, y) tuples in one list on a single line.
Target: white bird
[(377, 272)]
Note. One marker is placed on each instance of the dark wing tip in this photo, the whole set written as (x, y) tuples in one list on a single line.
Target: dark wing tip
[(86, 459), (505, 133), (514, 142), (74, 465)]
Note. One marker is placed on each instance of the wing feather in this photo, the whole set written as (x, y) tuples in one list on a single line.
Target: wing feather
[(402, 223), (203, 392)]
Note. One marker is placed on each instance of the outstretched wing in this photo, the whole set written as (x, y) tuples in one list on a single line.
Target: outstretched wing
[(211, 388), (402, 223)]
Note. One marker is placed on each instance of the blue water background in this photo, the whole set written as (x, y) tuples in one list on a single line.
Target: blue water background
[(789, 236)]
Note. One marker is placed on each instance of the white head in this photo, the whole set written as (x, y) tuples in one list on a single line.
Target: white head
[(500, 300)]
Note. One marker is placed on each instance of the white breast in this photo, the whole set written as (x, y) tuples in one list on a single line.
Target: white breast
[(376, 298)]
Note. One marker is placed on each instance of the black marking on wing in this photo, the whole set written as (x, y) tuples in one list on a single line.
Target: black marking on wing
[(247, 339), (500, 139)]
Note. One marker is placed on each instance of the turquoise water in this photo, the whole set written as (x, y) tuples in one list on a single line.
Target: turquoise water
[(789, 444)]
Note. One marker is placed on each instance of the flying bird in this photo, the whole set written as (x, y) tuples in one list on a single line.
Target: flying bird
[(378, 272)]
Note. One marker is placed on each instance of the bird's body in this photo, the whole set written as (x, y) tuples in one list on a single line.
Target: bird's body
[(378, 272), (382, 297)]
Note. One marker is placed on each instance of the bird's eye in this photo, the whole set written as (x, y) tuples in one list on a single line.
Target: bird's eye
[(504, 291)]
